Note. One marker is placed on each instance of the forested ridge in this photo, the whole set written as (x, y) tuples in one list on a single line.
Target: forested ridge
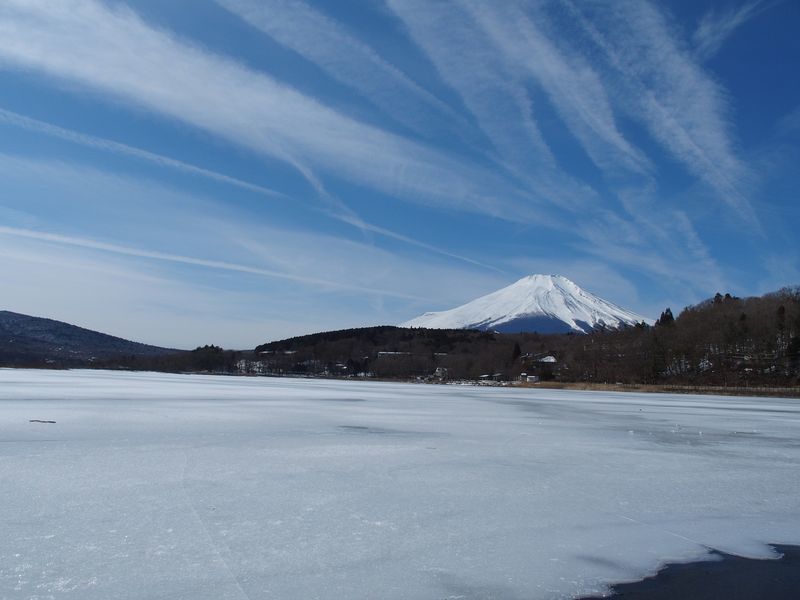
[(723, 341)]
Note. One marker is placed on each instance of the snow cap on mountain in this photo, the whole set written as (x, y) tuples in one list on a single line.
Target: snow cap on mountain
[(541, 303)]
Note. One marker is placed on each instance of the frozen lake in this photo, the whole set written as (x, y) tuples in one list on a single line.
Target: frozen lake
[(180, 486)]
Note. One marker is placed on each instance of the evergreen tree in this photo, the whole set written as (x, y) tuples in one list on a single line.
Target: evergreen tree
[(666, 318)]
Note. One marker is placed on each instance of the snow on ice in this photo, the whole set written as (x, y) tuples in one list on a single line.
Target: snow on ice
[(178, 486)]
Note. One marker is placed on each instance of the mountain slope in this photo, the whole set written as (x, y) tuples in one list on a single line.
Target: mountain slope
[(24, 338), (540, 303)]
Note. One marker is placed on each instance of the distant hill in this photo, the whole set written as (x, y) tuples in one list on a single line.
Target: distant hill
[(388, 351), (723, 341), (537, 303), (27, 340)]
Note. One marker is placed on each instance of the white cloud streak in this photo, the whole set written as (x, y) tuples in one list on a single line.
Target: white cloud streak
[(364, 226), (113, 51), (189, 260), (464, 59), (341, 214), (123, 216), (662, 86), (715, 27), (574, 88), (104, 292), (495, 94), (90, 141), (661, 244), (326, 43), (613, 59)]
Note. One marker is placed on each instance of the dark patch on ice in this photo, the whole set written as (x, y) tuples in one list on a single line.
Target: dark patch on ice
[(343, 400), (39, 421), (362, 429), (374, 430), (721, 576), (681, 436), (602, 562), (456, 588), (756, 409), (527, 405)]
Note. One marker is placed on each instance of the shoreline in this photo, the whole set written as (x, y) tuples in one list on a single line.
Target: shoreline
[(645, 388), (664, 388)]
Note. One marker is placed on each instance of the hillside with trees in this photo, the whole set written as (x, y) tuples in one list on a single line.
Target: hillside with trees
[(38, 342), (722, 341)]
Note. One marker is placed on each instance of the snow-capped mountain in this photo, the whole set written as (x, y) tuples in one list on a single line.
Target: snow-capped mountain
[(541, 303)]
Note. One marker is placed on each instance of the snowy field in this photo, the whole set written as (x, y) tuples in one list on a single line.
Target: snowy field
[(199, 487)]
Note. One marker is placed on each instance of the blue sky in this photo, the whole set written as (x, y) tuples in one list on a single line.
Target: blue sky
[(232, 172)]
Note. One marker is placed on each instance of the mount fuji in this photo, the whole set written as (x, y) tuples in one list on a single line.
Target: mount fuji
[(540, 303)]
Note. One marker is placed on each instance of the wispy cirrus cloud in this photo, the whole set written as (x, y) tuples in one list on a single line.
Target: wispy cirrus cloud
[(660, 84), (93, 289), (575, 90), (493, 91), (194, 261), (321, 40), (111, 50), (463, 56), (382, 231), (607, 61), (106, 280), (105, 145), (660, 243), (113, 215), (717, 26), (583, 120), (338, 212)]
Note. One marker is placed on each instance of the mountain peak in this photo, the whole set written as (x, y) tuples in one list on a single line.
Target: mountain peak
[(545, 281), (541, 303)]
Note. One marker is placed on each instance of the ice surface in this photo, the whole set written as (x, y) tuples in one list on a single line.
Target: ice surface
[(170, 486)]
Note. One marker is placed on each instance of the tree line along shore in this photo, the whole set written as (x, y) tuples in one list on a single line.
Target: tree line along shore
[(726, 343)]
